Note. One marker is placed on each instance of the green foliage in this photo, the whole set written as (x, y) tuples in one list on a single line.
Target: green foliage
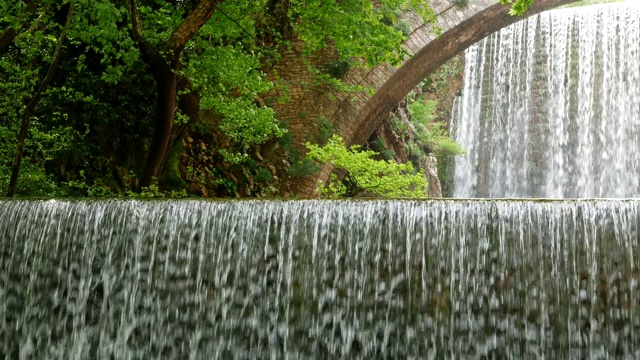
[(439, 79), (303, 167), (34, 180), (429, 133), (263, 174), (325, 131), (339, 68), (404, 27), (363, 173), (422, 110), (518, 7), (357, 28), (154, 192), (221, 71), (229, 186), (388, 154), (95, 57), (80, 187), (95, 30)]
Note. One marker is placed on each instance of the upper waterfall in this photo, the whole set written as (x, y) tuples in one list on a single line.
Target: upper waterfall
[(551, 107)]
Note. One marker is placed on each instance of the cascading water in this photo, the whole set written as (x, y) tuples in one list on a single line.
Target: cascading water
[(551, 107), (318, 279)]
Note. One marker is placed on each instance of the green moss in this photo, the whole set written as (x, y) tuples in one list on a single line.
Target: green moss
[(171, 179)]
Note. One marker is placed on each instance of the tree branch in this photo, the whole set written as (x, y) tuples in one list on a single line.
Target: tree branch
[(9, 34), (7, 37), (26, 116), (189, 27), (148, 53), (221, 10)]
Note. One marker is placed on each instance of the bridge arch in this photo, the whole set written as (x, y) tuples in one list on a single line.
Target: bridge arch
[(355, 116)]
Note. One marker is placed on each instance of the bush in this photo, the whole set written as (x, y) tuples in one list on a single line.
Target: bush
[(429, 133), (363, 173)]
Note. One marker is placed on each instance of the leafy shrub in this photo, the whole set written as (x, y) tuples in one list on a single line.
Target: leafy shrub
[(404, 27), (325, 130), (154, 192), (303, 167), (33, 181), (363, 173), (263, 174), (429, 133)]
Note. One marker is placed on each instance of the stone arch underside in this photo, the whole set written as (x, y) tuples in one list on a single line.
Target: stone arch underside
[(355, 116)]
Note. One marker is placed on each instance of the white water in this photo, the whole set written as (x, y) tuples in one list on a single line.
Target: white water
[(319, 279), (551, 107)]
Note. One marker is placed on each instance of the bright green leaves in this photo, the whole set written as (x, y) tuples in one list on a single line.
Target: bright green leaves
[(429, 133), (159, 20), (364, 173), (357, 28), (226, 69), (518, 7), (228, 79), (233, 20), (96, 29), (424, 10)]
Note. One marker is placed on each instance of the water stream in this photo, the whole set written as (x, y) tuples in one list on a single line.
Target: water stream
[(551, 107), (458, 279)]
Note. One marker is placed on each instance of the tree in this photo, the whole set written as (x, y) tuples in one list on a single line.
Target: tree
[(166, 65), (30, 107), (218, 71)]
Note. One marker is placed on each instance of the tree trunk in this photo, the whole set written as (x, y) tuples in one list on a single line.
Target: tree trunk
[(165, 71), (26, 116), (165, 109)]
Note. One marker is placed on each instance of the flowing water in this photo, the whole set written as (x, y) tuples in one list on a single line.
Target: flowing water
[(447, 279), (551, 107)]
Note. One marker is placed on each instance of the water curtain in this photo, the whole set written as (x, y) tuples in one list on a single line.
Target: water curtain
[(460, 279), (551, 107)]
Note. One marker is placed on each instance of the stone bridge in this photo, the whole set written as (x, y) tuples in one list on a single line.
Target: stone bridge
[(355, 116)]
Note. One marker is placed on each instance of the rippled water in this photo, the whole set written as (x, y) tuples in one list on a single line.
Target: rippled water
[(461, 279)]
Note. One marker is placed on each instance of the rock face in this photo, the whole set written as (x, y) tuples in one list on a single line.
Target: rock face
[(430, 166)]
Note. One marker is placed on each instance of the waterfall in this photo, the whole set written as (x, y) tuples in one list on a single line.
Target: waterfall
[(551, 107), (459, 279)]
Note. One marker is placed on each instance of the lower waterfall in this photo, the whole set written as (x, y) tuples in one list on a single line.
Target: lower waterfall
[(186, 279)]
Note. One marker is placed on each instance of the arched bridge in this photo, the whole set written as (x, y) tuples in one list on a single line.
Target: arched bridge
[(355, 116)]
